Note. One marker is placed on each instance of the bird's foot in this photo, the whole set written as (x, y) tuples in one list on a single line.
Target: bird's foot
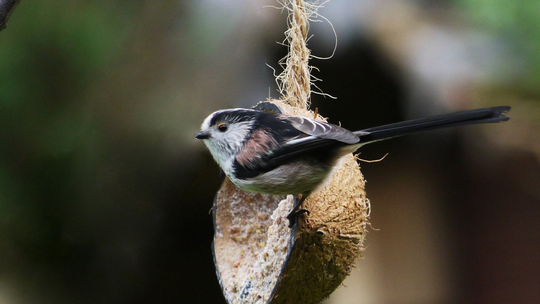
[(293, 216)]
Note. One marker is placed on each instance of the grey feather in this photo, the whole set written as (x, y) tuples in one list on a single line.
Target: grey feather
[(322, 130)]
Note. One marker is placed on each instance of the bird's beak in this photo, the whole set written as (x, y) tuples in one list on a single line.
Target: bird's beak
[(202, 135)]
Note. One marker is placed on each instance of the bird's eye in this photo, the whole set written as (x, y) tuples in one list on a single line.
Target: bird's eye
[(222, 127)]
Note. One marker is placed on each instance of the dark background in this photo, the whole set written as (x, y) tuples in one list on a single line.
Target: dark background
[(105, 194)]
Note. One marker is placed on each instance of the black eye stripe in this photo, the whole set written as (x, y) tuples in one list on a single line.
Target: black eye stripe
[(236, 115)]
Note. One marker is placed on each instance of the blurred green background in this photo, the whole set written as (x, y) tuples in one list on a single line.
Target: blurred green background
[(105, 194)]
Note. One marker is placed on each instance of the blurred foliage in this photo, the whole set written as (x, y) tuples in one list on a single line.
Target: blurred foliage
[(94, 206), (48, 58), (48, 44), (516, 22)]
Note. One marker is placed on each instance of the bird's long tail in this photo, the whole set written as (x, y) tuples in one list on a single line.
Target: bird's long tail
[(478, 116)]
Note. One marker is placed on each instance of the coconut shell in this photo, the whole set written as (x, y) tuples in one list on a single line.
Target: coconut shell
[(259, 259)]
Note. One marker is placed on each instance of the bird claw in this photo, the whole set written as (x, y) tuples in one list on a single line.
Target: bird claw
[(293, 216)]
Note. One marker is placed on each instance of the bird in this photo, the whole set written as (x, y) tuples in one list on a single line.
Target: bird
[(279, 154)]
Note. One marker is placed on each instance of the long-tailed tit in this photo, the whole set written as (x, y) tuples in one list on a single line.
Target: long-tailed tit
[(280, 154)]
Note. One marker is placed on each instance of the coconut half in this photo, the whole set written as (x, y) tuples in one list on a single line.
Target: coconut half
[(259, 259)]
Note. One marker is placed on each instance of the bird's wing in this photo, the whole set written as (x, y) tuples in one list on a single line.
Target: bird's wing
[(306, 136), (322, 130), (315, 135)]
